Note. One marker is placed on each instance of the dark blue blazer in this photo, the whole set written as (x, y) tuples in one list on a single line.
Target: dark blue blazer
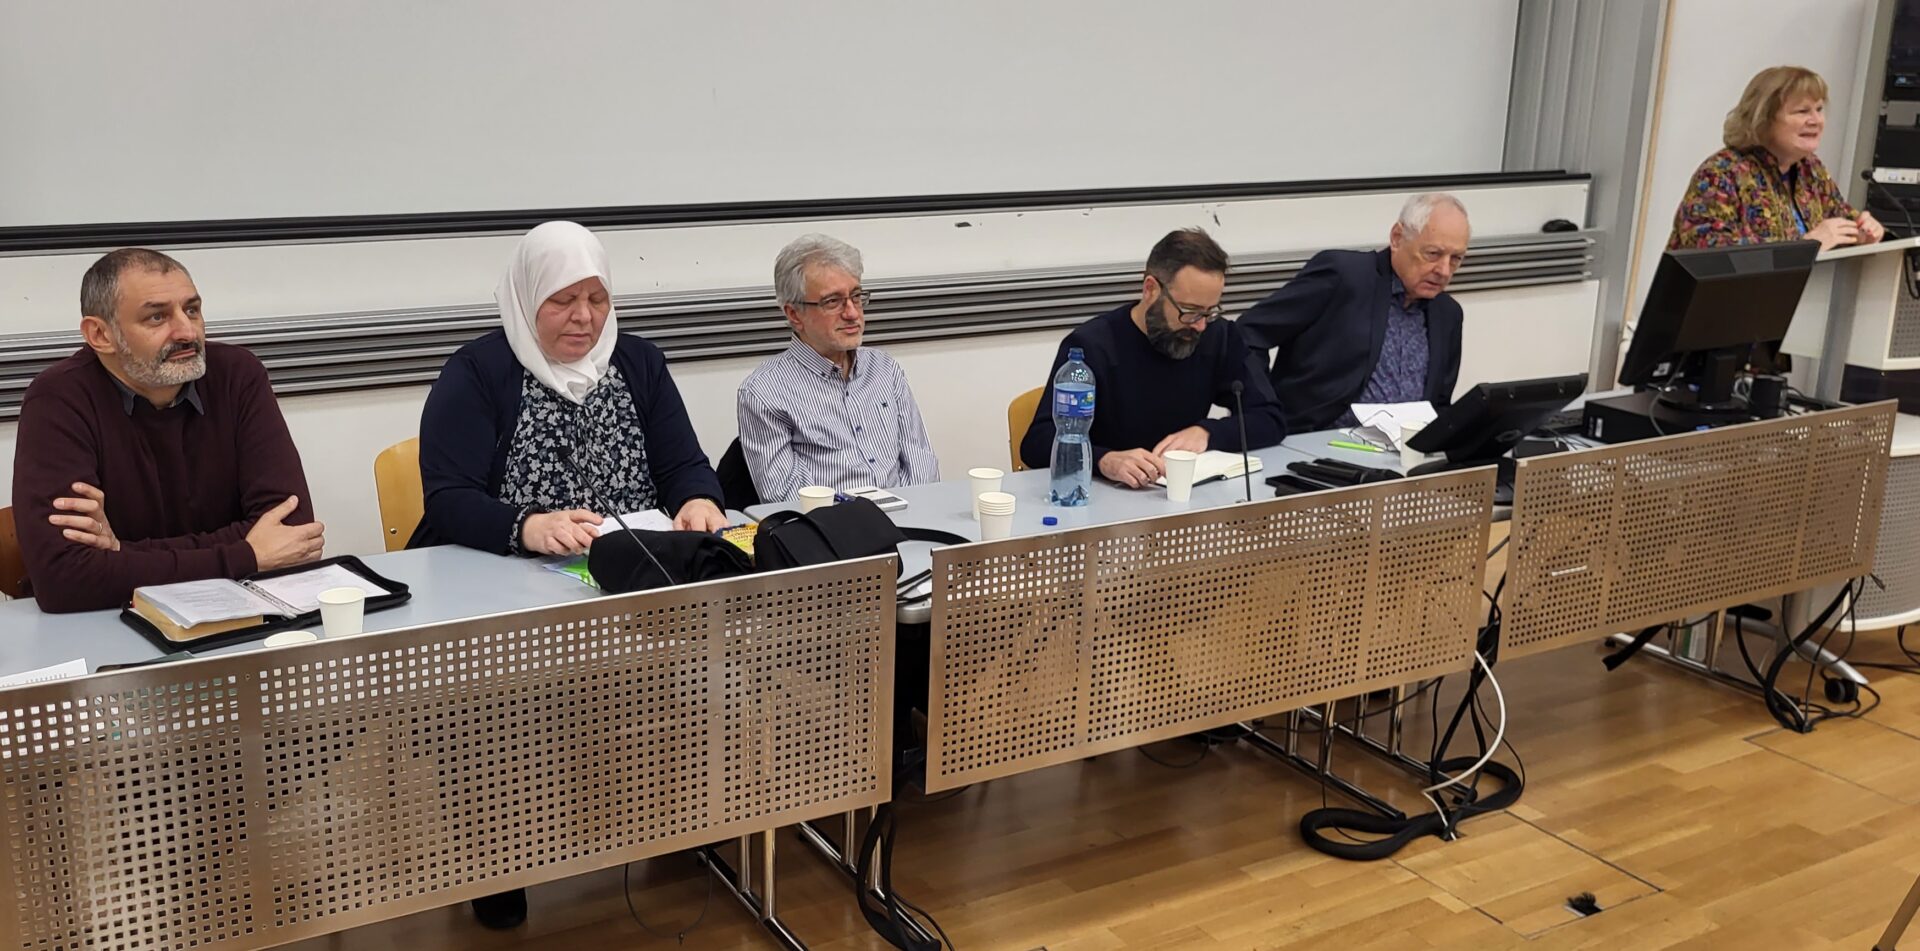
[(467, 428), (1326, 327)]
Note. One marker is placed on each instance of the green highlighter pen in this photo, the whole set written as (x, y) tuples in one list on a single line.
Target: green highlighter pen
[(1357, 446)]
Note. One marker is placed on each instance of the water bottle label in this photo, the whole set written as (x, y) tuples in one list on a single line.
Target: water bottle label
[(1071, 404)]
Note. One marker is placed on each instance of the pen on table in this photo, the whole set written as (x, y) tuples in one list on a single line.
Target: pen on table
[(1358, 446)]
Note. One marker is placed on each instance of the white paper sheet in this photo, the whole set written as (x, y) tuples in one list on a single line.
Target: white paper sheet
[(301, 590), (1389, 417), (191, 603), (651, 520), (73, 668)]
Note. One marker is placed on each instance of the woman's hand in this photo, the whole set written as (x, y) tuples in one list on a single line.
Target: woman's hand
[(1835, 232), (559, 533), (699, 515), (1871, 230)]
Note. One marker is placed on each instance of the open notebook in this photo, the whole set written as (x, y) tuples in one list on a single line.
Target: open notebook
[(1215, 464), (191, 612)]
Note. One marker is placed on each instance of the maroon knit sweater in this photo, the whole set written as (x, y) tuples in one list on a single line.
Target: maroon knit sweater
[(183, 484)]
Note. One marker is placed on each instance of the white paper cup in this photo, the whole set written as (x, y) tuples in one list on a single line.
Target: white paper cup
[(814, 496), (996, 515), (1410, 457), (288, 638), (985, 479), (342, 611), (1179, 474)]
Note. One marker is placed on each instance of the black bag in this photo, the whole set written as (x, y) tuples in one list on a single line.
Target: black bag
[(856, 529), (637, 560), (853, 529)]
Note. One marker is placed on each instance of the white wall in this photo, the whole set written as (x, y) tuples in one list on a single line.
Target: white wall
[(40, 293), (1713, 48), (245, 109)]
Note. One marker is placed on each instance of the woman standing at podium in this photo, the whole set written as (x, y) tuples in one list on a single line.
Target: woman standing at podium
[(1767, 184)]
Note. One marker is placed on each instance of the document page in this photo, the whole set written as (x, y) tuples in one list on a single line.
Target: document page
[(651, 520), (191, 603), (301, 590)]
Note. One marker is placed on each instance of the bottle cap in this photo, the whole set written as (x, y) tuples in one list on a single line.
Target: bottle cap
[(1075, 353), (1049, 520)]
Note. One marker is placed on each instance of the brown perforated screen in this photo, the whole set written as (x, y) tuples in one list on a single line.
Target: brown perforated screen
[(1621, 537), (247, 800), (1050, 648)]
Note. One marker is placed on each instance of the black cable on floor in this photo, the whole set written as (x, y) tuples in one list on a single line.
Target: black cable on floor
[(626, 891)]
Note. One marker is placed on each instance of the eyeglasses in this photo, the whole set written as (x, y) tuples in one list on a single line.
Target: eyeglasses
[(838, 302), (1189, 315), (1436, 255)]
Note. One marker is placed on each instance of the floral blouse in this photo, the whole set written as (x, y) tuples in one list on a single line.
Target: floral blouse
[(1740, 196), (588, 456)]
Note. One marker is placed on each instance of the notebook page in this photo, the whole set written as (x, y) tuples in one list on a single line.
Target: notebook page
[(301, 590), (191, 603)]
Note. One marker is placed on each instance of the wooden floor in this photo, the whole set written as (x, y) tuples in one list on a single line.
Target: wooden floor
[(1692, 818)]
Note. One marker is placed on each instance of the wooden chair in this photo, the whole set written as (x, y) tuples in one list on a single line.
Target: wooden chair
[(396, 481), (1019, 417), (13, 568)]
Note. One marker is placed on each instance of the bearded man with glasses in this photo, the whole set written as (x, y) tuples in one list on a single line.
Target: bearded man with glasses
[(1368, 326), (1159, 366), (829, 411)]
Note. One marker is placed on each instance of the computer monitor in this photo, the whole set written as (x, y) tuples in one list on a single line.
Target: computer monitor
[(1483, 425), (1705, 312)]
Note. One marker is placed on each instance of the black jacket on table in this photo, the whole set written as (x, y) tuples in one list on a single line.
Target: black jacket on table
[(1328, 324), (1142, 395)]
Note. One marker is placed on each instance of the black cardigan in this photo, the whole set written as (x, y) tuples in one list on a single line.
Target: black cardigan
[(467, 427)]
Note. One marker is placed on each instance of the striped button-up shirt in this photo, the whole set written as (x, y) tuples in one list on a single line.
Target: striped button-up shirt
[(802, 424)]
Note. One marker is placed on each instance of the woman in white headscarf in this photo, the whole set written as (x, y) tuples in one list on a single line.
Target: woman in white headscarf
[(536, 430)]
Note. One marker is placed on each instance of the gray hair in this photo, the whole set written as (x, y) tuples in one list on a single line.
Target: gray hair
[(1419, 208), (790, 267), (100, 286)]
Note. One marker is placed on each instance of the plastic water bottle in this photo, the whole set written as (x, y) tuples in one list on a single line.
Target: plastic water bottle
[(1072, 422)]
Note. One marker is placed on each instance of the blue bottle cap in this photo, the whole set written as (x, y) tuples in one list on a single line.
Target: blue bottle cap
[(1049, 520)]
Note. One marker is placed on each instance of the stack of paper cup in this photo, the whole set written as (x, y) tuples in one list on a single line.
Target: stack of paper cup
[(996, 515), (814, 496), (985, 479), (1179, 474)]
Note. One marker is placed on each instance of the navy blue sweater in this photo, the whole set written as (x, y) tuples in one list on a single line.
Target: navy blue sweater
[(467, 426), (1142, 395)]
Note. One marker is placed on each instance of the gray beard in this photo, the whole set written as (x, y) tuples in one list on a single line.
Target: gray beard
[(160, 371)]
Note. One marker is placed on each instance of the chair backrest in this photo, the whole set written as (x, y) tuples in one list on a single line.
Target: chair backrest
[(13, 568), (396, 480), (736, 482), (1019, 417)]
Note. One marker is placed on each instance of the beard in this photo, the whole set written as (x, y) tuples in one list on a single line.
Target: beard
[(1170, 339), (161, 371)]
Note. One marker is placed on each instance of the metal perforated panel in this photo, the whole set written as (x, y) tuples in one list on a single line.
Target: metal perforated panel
[(1620, 537), (248, 800), (1050, 648), (1896, 560), (1905, 339)]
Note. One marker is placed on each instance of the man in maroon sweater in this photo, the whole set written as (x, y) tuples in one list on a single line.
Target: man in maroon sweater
[(181, 439)]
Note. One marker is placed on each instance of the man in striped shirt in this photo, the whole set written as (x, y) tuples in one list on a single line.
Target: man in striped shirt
[(829, 411)]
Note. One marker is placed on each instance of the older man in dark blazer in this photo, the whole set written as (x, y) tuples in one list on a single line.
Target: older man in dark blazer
[(1368, 326)]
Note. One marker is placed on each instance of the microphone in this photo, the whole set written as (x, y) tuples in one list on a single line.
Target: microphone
[(1866, 175), (609, 562), (1907, 260), (1240, 415)]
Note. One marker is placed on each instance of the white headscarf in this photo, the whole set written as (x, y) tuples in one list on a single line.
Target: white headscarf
[(549, 258)]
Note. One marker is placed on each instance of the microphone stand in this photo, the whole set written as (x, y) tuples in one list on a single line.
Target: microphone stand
[(1240, 416)]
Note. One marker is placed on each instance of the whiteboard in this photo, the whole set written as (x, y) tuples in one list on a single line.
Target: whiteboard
[(156, 110)]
